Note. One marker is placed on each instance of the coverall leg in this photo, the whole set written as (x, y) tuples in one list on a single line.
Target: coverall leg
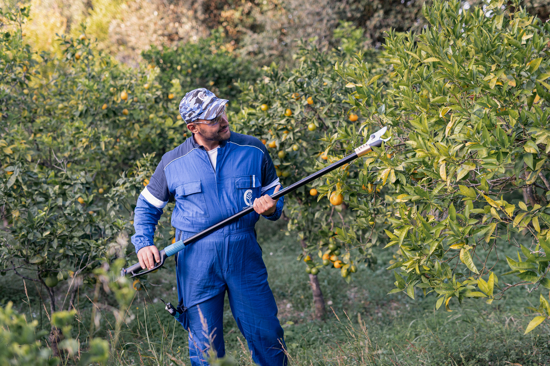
[(205, 325), (236, 259)]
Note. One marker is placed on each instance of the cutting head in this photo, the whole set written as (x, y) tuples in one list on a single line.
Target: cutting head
[(376, 139)]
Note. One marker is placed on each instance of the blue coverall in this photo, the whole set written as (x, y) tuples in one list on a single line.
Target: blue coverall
[(229, 259)]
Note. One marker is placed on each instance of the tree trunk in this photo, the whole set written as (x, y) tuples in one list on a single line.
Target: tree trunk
[(318, 299), (55, 333)]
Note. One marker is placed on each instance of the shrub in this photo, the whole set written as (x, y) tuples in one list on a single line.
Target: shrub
[(467, 106)]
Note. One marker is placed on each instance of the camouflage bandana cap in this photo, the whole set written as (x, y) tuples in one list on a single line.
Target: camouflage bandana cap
[(201, 104)]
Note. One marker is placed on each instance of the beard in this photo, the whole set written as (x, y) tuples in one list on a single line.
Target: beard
[(222, 133)]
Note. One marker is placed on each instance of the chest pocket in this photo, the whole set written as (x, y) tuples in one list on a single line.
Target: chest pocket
[(190, 197), (247, 189)]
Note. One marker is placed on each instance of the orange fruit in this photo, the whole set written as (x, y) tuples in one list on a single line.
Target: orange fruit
[(170, 96), (326, 256), (125, 112), (353, 117), (324, 157), (80, 200), (313, 192), (364, 188), (82, 37), (101, 191), (77, 56), (173, 240), (104, 106), (310, 100), (124, 95), (9, 173), (370, 188), (137, 285), (333, 258), (336, 199), (264, 107), (272, 144), (146, 86), (264, 141), (281, 154), (288, 112), (91, 212), (338, 264), (311, 127), (307, 258)]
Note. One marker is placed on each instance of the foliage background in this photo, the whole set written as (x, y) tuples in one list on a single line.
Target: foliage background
[(89, 94)]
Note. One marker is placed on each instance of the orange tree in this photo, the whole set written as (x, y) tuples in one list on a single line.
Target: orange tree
[(70, 125), (207, 63), (295, 113), (467, 104)]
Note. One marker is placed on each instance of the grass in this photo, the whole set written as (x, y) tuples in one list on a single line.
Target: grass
[(365, 325)]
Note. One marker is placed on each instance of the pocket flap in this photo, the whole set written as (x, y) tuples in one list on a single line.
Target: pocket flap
[(189, 188), (246, 182)]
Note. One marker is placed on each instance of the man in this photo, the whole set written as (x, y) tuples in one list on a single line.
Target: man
[(213, 175)]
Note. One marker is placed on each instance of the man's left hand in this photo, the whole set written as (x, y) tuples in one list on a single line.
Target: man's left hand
[(265, 205)]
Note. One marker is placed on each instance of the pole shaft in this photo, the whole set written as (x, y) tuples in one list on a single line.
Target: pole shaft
[(291, 188)]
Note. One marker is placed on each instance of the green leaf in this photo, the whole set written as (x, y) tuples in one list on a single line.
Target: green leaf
[(522, 205), (545, 304), (529, 276), (490, 231), (545, 282), (518, 218), (466, 258), (536, 225), (432, 59), (528, 159), (534, 64), (534, 323), (531, 147), (474, 294), (452, 212), (410, 291), (374, 78), (463, 170), (439, 302), (483, 286)]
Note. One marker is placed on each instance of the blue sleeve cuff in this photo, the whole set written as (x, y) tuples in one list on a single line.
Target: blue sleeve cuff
[(140, 242)]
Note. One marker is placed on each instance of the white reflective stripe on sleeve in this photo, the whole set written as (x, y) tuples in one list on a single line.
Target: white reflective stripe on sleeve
[(271, 185), (152, 199)]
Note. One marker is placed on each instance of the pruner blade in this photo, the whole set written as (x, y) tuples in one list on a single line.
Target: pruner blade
[(377, 136), (374, 141)]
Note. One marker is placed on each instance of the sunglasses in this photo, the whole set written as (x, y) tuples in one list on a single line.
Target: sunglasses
[(214, 121)]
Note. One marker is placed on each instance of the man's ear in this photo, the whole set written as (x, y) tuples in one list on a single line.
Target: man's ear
[(192, 127)]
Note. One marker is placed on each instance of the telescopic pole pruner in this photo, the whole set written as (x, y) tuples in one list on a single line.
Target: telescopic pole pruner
[(375, 140)]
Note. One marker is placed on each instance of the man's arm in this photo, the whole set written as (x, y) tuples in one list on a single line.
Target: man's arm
[(147, 213)]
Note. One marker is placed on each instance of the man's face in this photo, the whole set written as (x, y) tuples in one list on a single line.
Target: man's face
[(218, 132)]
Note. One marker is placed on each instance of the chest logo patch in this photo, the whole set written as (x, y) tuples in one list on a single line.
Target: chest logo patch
[(248, 197)]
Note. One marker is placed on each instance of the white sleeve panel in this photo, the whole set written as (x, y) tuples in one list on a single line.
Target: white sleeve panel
[(152, 199), (270, 185)]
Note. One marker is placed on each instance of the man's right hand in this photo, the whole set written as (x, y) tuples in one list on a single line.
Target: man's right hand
[(147, 257)]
